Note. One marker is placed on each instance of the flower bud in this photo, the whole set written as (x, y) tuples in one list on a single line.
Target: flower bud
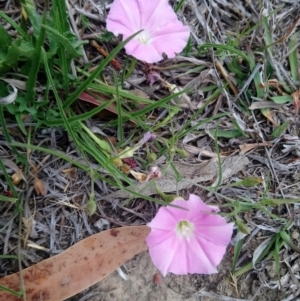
[(91, 205), (242, 227), (116, 161), (151, 157), (172, 150), (182, 153)]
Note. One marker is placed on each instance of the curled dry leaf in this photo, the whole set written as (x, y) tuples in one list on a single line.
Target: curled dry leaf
[(154, 173), (268, 114), (296, 99), (17, 177), (200, 151), (141, 177), (264, 104), (79, 267), (247, 147), (39, 187), (11, 97)]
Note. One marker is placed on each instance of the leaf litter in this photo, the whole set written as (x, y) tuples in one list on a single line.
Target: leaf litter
[(57, 220)]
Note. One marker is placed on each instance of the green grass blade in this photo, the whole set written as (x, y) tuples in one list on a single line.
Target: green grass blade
[(4, 198), (293, 57), (226, 48), (278, 132), (8, 180), (15, 26), (52, 152), (95, 73), (287, 239), (276, 256), (179, 4), (35, 64), (119, 111), (57, 98), (131, 67), (282, 99), (10, 291), (64, 41), (237, 250), (81, 117)]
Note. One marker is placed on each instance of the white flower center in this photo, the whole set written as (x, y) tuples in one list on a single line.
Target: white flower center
[(185, 229), (144, 38)]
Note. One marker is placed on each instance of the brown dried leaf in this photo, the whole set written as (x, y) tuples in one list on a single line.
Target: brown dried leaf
[(191, 174), (268, 114), (247, 147), (264, 104), (17, 177), (39, 187), (79, 267), (226, 76), (296, 99), (141, 177)]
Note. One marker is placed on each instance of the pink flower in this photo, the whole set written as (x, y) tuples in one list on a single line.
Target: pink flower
[(190, 240), (163, 32)]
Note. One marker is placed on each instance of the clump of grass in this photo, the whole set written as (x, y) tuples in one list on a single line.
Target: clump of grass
[(45, 66)]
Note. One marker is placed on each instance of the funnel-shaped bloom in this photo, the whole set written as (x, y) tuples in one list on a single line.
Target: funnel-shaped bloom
[(189, 240), (162, 31)]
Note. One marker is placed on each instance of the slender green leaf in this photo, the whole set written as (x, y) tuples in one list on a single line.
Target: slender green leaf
[(237, 250), (12, 292), (293, 56), (287, 239), (7, 199), (247, 182), (95, 73), (278, 132), (5, 39), (81, 117), (276, 202), (14, 25), (71, 48), (179, 4), (282, 99), (119, 111), (227, 134), (35, 64), (276, 256)]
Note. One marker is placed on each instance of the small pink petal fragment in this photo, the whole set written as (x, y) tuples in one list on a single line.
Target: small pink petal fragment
[(148, 137), (153, 77), (162, 31), (188, 240), (155, 173)]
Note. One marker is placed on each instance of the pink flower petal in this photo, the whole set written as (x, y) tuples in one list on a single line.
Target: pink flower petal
[(195, 259), (147, 53), (148, 136), (120, 19), (162, 253), (163, 32), (198, 247), (218, 234), (155, 14)]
